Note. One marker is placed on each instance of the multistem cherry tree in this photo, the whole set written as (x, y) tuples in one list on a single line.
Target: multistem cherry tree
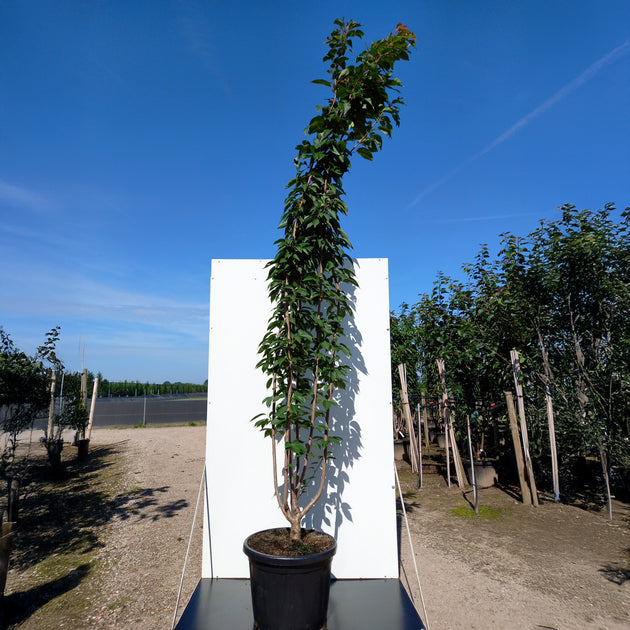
[(303, 353)]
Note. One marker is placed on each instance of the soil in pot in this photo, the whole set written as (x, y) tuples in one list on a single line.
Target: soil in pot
[(290, 581), (276, 542)]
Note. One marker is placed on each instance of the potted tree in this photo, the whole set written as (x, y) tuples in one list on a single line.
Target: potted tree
[(24, 393), (76, 417), (303, 353)]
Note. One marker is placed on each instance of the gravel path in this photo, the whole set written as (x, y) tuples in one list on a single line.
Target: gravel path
[(554, 567), (525, 569), (146, 542)]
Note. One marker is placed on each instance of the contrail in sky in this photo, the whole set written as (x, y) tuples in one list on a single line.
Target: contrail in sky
[(493, 217), (17, 196), (589, 73)]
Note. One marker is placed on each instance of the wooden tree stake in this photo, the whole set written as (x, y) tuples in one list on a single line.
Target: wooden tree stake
[(552, 446), (51, 407), (603, 460), (518, 449), (92, 406), (450, 431), (413, 447), (516, 371), (425, 421), (550, 420)]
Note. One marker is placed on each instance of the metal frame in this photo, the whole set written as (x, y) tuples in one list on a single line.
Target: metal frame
[(219, 604)]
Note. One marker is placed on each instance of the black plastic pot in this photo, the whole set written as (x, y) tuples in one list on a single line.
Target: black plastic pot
[(6, 542), (54, 448), (13, 502), (290, 593), (84, 449)]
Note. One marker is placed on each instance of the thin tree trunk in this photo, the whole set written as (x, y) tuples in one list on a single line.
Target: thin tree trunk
[(473, 477), (84, 387), (419, 484), (296, 529), (425, 422), (443, 405)]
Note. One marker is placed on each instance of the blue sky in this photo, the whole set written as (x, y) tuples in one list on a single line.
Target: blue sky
[(140, 140)]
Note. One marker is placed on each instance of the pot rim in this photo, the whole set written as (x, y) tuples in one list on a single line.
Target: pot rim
[(312, 558)]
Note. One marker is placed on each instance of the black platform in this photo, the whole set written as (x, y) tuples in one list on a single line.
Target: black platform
[(224, 604)]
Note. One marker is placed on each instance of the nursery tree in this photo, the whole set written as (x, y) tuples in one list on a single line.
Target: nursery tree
[(74, 414), (303, 352), (24, 393), (561, 297), (586, 257), (25, 381), (405, 345)]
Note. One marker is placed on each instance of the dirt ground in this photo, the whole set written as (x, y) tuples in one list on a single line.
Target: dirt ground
[(119, 543), (512, 567)]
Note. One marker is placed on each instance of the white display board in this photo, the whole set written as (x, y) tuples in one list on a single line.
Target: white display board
[(358, 506)]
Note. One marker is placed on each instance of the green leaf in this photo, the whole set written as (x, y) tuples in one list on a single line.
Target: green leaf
[(296, 447)]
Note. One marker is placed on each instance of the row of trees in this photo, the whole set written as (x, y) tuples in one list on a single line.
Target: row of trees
[(133, 388), (561, 297)]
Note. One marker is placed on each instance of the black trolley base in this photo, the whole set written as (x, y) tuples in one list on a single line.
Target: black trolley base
[(225, 604)]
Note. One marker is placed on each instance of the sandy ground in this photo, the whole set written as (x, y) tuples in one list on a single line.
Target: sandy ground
[(146, 547), (516, 567), (552, 567)]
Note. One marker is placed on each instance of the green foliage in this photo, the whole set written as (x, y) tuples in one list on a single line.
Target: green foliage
[(561, 297), (311, 276), (72, 383), (25, 381), (405, 349), (24, 393), (74, 414)]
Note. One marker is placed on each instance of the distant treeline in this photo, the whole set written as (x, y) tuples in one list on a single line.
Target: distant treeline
[(72, 382)]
